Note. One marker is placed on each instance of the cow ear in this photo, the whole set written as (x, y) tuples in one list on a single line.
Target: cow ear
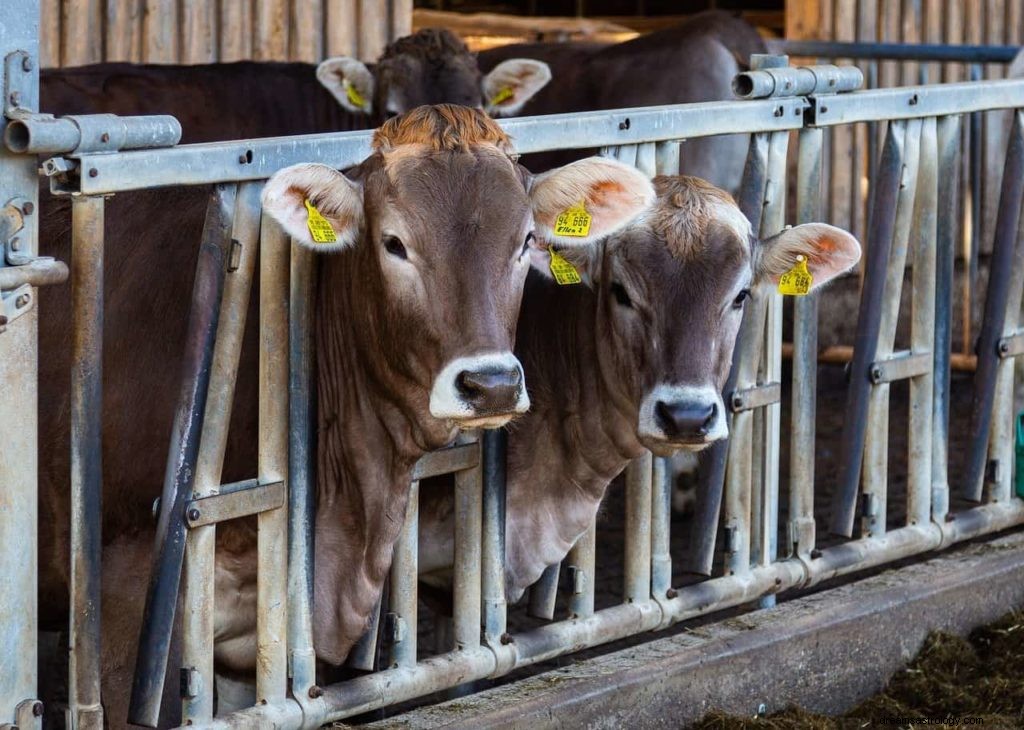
[(588, 200), (579, 257), (512, 83), (349, 81), (828, 251), (305, 199)]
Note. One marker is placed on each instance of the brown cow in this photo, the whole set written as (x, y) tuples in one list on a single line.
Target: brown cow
[(634, 358), (415, 320)]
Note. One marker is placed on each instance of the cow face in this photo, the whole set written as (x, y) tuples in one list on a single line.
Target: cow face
[(671, 294), (432, 66), (438, 224)]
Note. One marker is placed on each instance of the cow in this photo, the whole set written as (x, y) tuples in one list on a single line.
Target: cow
[(416, 309), (633, 358), (249, 99), (692, 62)]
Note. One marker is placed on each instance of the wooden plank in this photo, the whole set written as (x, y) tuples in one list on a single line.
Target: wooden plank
[(124, 31), (270, 41), (803, 19), (82, 32), (198, 27), (1014, 20), (401, 18), (995, 129), (306, 39), (374, 27), (235, 31), (49, 33), (933, 34), (340, 27), (160, 32), (910, 23), (953, 33), (889, 32), (842, 181), (867, 31)]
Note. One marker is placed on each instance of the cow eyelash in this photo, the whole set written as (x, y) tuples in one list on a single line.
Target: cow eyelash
[(395, 247), (737, 303), (526, 243), (621, 295)]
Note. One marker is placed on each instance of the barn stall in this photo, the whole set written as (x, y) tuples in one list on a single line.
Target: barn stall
[(915, 192)]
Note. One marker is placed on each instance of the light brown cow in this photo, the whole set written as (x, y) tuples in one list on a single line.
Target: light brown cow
[(633, 358)]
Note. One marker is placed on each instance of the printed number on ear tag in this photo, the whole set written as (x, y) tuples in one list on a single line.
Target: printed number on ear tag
[(797, 281), (574, 222), (354, 96), (503, 95), (563, 271), (319, 228)]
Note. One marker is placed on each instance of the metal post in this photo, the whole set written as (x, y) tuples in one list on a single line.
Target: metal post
[(582, 563), (637, 575), (402, 593), (494, 444), (883, 219), (85, 710), (1001, 268), (468, 527), (544, 593), (661, 518), (168, 553)]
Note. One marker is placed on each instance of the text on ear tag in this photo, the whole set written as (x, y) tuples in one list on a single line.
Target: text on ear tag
[(563, 271), (354, 96), (574, 222), (504, 94), (319, 227), (797, 281)]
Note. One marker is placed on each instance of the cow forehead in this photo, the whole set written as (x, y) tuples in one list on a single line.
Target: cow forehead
[(696, 219)]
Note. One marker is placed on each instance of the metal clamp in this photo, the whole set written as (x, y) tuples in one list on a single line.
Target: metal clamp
[(901, 366), (797, 81), (247, 500), (1011, 345), (757, 397)]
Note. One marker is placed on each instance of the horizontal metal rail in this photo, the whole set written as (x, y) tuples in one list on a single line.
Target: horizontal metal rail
[(896, 51)]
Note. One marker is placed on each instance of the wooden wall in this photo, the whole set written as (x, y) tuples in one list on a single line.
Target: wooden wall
[(77, 32)]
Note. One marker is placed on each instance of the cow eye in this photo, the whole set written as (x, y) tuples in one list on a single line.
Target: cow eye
[(737, 303), (526, 243), (395, 247), (620, 294)]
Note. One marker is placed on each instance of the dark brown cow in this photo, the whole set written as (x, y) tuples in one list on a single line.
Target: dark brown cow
[(415, 319), (692, 62), (633, 358)]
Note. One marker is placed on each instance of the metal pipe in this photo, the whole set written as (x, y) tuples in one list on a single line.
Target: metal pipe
[(41, 271), (582, 564), (162, 594), (1000, 271), (637, 559), (86, 462), (896, 51), (468, 530), (544, 594), (402, 592), (661, 519), (796, 81), (646, 159), (883, 217), (667, 158), (43, 134), (975, 163), (494, 445)]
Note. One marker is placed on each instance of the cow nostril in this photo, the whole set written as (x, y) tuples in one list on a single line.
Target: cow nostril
[(685, 419), (490, 389)]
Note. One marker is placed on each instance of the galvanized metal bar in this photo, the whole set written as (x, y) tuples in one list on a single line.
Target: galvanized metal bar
[(755, 397), (805, 360), (667, 158), (626, 154), (198, 580), (646, 159), (661, 522), (445, 461), (996, 298), (1011, 345), (241, 503), (468, 531), (162, 594), (896, 51), (947, 229), (494, 444), (901, 365), (972, 243), (637, 559), (42, 134), (880, 233), (85, 709), (582, 562), (874, 486), (922, 328), (402, 591), (544, 594), (40, 272), (796, 81)]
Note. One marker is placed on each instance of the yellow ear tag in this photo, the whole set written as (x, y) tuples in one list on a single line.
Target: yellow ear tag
[(504, 94), (563, 271), (797, 281), (354, 96), (319, 227), (574, 222)]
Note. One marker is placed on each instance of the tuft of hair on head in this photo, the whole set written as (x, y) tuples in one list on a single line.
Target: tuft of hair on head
[(441, 127), (432, 45), (686, 207)]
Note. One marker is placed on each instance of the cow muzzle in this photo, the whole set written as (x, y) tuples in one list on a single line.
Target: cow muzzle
[(480, 391), (681, 417)]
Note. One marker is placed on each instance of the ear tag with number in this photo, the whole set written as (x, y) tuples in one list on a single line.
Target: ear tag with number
[(319, 227), (504, 94), (797, 281), (354, 96), (563, 271), (574, 222)]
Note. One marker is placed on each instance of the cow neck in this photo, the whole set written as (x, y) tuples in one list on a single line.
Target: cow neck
[(577, 436), (368, 442)]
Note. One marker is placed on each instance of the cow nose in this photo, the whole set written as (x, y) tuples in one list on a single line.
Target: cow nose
[(686, 419), (493, 389)]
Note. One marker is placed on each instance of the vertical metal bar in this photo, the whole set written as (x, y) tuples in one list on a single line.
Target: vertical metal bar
[(86, 461), (646, 160), (883, 219), (494, 453), (544, 593), (975, 166), (582, 562), (1000, 270), (301, 465), (661, 517), (404, 570), (168, 553), (667, 158), (922, 328), (468, 528), (626, 154), (805, 360), (637, 575), (272, 526), (19, 358)]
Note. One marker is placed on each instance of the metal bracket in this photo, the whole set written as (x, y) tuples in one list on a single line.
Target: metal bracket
[(242, 502), (1011, 345), (14, 304), (18, 92), (395, 628), (901, 366), (757, 397), (446, 461), (191, 683)]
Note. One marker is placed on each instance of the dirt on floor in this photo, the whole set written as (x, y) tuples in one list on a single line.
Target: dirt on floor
[(953, 683)]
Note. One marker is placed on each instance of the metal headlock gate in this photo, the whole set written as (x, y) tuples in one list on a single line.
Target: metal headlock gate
[(913, 203)]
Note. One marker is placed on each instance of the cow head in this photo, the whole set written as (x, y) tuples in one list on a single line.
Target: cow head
[(432, 66), (437, 225), (671, 290)]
